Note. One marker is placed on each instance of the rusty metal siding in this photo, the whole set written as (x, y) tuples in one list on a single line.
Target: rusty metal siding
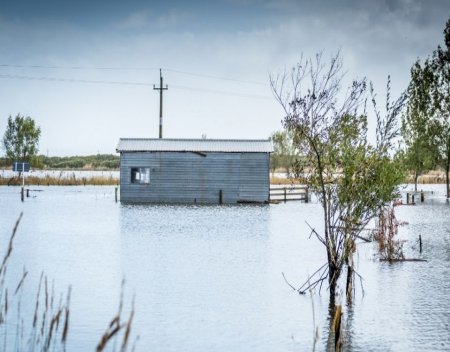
[(189, 177)]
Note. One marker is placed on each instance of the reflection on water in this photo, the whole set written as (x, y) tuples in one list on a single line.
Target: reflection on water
[(209, 277)]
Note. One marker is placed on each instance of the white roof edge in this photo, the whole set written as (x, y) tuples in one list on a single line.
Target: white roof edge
[(194, 145)]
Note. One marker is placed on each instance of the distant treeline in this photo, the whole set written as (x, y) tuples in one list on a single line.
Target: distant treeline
[(89, 162)]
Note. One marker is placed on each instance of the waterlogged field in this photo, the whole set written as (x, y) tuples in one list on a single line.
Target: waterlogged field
[(59, 178), (210, 278), (63, 174)]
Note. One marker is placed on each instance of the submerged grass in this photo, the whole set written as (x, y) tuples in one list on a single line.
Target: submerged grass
[(48, 327)]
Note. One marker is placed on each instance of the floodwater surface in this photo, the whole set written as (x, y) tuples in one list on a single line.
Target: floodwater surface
[(209, 278)]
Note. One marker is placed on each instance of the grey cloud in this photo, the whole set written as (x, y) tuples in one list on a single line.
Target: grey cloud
[(377, 38)]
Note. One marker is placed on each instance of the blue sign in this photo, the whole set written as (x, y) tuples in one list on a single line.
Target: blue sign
[(21, 167)]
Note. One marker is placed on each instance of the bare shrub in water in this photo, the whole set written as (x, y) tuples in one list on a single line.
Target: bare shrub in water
[(351, 177), (389, 247)]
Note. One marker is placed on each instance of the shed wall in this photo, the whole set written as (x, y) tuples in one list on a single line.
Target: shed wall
[(187, 177)]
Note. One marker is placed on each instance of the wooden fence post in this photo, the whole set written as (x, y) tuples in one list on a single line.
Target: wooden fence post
[(306, 195), (115, 191), (422, 196), (285, 194)]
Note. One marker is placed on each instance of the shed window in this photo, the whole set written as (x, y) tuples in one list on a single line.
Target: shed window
[(140, 175)]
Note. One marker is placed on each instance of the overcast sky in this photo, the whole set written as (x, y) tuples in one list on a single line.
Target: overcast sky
[(216, 58)]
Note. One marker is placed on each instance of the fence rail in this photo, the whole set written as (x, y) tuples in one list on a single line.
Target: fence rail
[(285, 193)]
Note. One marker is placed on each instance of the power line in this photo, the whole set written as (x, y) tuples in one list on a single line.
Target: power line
[(112, 68), (215, 77), (74, 80), (242, 95)]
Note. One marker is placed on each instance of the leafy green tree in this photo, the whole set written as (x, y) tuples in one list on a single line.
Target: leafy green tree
[(352, 179), (426, 124), (284, 153), (418, 123), (441, 97), (21, 139)]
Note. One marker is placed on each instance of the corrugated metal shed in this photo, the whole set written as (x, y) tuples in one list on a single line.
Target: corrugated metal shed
[(194, 145), (195, 177)]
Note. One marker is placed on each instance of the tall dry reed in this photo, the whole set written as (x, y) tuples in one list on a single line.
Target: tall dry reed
[(47, 329), (59, 181)]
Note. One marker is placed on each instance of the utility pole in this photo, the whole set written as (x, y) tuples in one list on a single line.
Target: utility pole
[(161, 89)]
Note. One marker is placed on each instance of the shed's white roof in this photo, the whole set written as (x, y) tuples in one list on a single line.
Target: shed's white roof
[(194, 145)]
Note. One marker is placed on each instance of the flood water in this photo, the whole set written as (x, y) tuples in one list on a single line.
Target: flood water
[(209, 278)]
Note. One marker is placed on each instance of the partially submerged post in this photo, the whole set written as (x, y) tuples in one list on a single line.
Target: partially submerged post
[(21, 167)]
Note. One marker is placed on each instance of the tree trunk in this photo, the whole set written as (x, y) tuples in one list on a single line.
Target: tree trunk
[(447, 165), (416, 177), (349, 285), (333, 276), (332, 282), (447, 170)]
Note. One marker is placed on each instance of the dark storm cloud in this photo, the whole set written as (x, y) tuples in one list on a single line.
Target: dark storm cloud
[(221, 15), (389, 33), (228, 15), (420, 12), (244, 39), (64, 9)]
